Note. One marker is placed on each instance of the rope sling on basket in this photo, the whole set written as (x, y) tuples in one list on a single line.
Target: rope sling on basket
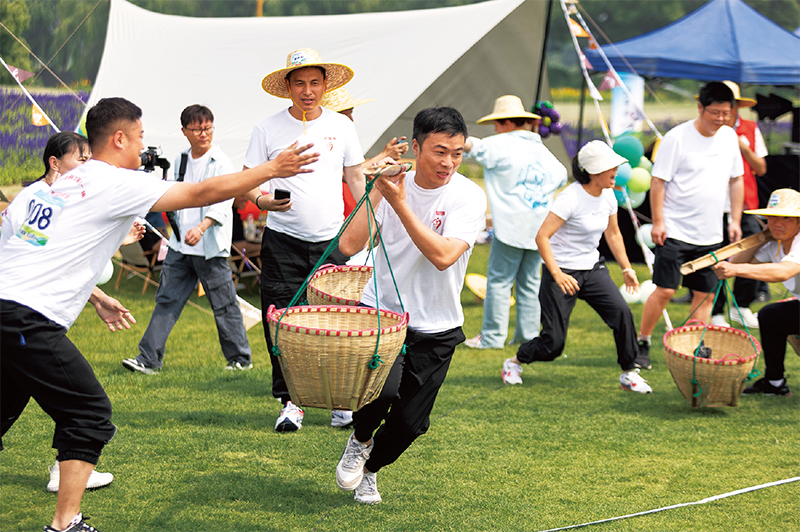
[(709, 363), (338, 356)]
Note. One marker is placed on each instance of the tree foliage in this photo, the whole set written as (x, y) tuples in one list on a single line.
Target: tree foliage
[(14, 15)]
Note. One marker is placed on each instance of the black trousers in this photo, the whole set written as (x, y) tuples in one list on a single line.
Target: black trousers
[(599, 291), (776, 321), (404, 405), (286, 262), (38, 360), (744, 290)]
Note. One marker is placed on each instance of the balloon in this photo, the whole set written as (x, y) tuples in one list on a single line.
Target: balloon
[(620, 197), (629, 147), (629, 298), (623, 175), (555, 128), (646, 232), (547, 121), (639, 181), (108, 272), (645, 163), (646, 289), (544, 131), (548, 104), (555, 115), (637, 198)]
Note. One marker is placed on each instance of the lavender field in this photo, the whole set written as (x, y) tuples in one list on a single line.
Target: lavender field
[(22, 143)]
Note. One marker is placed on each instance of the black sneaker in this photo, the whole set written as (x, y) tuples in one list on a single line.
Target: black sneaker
[(78, 524), (763, 386), (643, 355)]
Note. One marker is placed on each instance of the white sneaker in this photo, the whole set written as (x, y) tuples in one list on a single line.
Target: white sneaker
[(350, 470), (750, 319), (633, 382), (341, 418), (96, 479), (367, 491), (719, 319), (474, 343), (290, 418), (512, 372)]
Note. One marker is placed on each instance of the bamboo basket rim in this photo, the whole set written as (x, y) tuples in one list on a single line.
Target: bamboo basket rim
[(330, 269), (274, 315), (712, 361)]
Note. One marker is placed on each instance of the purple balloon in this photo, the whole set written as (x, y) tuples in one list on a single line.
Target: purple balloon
[(555, 128), (555, 115), (544, 131)]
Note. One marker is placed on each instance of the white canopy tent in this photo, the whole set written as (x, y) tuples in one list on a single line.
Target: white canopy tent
[(460, 56)]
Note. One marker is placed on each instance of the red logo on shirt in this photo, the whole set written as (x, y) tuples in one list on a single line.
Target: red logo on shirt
[(329, 141), (437, 221)]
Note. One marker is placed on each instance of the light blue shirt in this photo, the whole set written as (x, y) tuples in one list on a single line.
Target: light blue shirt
[(521, 176)]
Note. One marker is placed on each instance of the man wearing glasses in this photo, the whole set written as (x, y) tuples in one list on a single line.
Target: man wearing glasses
[(198, 249), (693, 166)]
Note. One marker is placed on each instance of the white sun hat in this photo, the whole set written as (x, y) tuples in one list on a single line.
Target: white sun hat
[(596, 157)]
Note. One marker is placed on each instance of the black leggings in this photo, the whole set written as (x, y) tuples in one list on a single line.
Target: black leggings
[(777, 321)]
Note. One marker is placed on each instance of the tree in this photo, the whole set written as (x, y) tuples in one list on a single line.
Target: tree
[(15, 17)]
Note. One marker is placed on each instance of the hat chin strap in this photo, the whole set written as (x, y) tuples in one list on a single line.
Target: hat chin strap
[(301, 110)]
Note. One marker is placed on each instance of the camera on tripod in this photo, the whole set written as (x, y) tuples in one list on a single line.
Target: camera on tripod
[(150, 160)]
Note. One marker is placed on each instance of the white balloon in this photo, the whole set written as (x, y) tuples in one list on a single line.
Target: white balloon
[(646, 288), (629, 298), (647, 236), (108, 273)]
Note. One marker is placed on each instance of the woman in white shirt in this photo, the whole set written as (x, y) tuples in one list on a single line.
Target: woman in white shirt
[(581, 214)]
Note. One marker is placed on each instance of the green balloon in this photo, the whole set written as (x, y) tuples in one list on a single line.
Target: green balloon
[(639, 181), (645, 163), (631, 148), (637, 198)]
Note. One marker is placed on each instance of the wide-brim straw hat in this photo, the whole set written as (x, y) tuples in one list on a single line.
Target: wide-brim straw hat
[(336, 74), (341, 99), (782, 202), (508, 106), (596, 157)]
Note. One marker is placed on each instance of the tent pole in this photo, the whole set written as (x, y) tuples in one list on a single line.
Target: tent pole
[(580, 113), (544, 48)]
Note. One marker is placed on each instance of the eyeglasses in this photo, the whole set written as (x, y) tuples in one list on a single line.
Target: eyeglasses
[(718, 114), (200, 130)]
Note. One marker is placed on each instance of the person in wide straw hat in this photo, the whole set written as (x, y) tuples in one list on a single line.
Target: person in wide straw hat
[(754, 152), (300, 228), (521, 176), (777, 261)]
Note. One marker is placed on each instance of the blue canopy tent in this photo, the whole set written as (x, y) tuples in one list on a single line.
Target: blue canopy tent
[(723, 40)]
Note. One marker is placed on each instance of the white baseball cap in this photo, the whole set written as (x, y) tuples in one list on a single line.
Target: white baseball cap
[(596, 157)]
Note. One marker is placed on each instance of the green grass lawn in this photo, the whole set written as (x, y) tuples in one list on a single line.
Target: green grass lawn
[(196, 450)]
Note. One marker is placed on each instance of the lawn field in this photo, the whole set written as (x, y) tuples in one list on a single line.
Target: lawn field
[(196, 450)]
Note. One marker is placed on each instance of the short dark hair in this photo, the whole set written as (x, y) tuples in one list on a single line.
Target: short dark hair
[(62, 144), (445, 120), (715, 92), (105, 117), (196, 113), (517, 121), (288, 76), (580, 175)]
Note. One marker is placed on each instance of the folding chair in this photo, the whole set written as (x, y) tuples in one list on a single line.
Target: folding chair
[(136, 259)]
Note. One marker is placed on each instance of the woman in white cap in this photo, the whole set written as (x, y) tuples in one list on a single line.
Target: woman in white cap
[(777, 261), (581, 214)]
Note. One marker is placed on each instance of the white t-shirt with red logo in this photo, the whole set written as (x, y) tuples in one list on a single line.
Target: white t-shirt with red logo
[(52, 261), (431, 297), (316, 213)]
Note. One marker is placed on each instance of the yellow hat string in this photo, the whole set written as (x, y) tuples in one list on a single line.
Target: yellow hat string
[(301, 110)]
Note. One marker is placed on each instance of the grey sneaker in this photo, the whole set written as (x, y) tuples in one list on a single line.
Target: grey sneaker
[(643, 355), (238, 366), (367, 491), (350, 470), (131, 364)]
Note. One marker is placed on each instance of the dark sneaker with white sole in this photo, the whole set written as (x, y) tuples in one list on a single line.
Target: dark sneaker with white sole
[(642, 355), (78, 524), (763, 386)]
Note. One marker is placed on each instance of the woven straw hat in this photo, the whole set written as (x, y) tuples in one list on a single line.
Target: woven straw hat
[(336, 74), (508, 106), (782, 202), (341, 99), (737, 95)]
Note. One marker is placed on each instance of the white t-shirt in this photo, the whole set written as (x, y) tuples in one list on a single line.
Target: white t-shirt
[(191, 218), (431, 297), (696, 171), (773, 252), (585, 219), (317, 204), (54, 259), (14, 214)]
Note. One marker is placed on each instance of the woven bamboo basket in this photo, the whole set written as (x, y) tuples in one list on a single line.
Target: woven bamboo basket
[(722, 376), (338, 285), (325, 352)]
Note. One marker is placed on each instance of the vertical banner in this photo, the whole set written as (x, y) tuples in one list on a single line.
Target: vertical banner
[(625, 115)]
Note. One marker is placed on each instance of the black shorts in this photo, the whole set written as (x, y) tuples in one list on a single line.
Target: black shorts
[(670, 257)]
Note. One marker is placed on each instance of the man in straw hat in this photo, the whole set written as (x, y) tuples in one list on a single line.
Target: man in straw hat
[(429, 221), (300, 229), (695, 163), (521, 177), (776, 261), (754, 151)]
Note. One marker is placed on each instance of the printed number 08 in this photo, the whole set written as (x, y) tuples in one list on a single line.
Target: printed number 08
[(40, 216)]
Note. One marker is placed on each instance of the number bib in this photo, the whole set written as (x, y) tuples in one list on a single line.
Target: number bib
[(43, 210)]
